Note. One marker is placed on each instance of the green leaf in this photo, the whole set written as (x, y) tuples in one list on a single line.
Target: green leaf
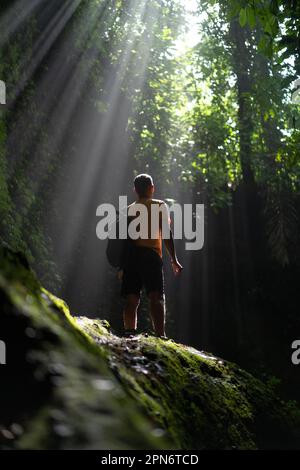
[(265, 45), (243, 17), (251, 17)]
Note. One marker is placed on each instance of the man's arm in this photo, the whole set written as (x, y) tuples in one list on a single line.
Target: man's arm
[(170, 245)]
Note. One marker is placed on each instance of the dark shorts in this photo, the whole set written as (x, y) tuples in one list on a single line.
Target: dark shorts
[(144, 268)]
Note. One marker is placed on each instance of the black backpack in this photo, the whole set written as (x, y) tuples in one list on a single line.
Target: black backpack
[(117, 249)]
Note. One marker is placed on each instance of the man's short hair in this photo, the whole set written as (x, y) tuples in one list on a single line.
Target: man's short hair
[(142, 183)]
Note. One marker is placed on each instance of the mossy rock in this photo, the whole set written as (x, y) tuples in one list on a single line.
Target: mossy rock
[(69, 383)]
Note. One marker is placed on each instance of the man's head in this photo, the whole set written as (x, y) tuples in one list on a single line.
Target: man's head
[(143, 185)]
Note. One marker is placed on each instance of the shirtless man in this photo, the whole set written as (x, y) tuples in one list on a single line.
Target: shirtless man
[(144, 265)]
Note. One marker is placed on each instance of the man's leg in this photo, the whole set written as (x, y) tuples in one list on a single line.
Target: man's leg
[(157, 311), (130, 312)]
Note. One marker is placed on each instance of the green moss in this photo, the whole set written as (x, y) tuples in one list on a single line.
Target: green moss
[(202, 401)]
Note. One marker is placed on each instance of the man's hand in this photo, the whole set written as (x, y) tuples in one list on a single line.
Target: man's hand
[(177, 268), (169, 242), (120, 274)]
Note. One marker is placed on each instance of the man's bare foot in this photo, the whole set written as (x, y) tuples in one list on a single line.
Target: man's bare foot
[(164, 337), (130, 333)]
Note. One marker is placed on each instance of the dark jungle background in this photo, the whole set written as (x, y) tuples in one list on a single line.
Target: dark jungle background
[(198, 94)]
